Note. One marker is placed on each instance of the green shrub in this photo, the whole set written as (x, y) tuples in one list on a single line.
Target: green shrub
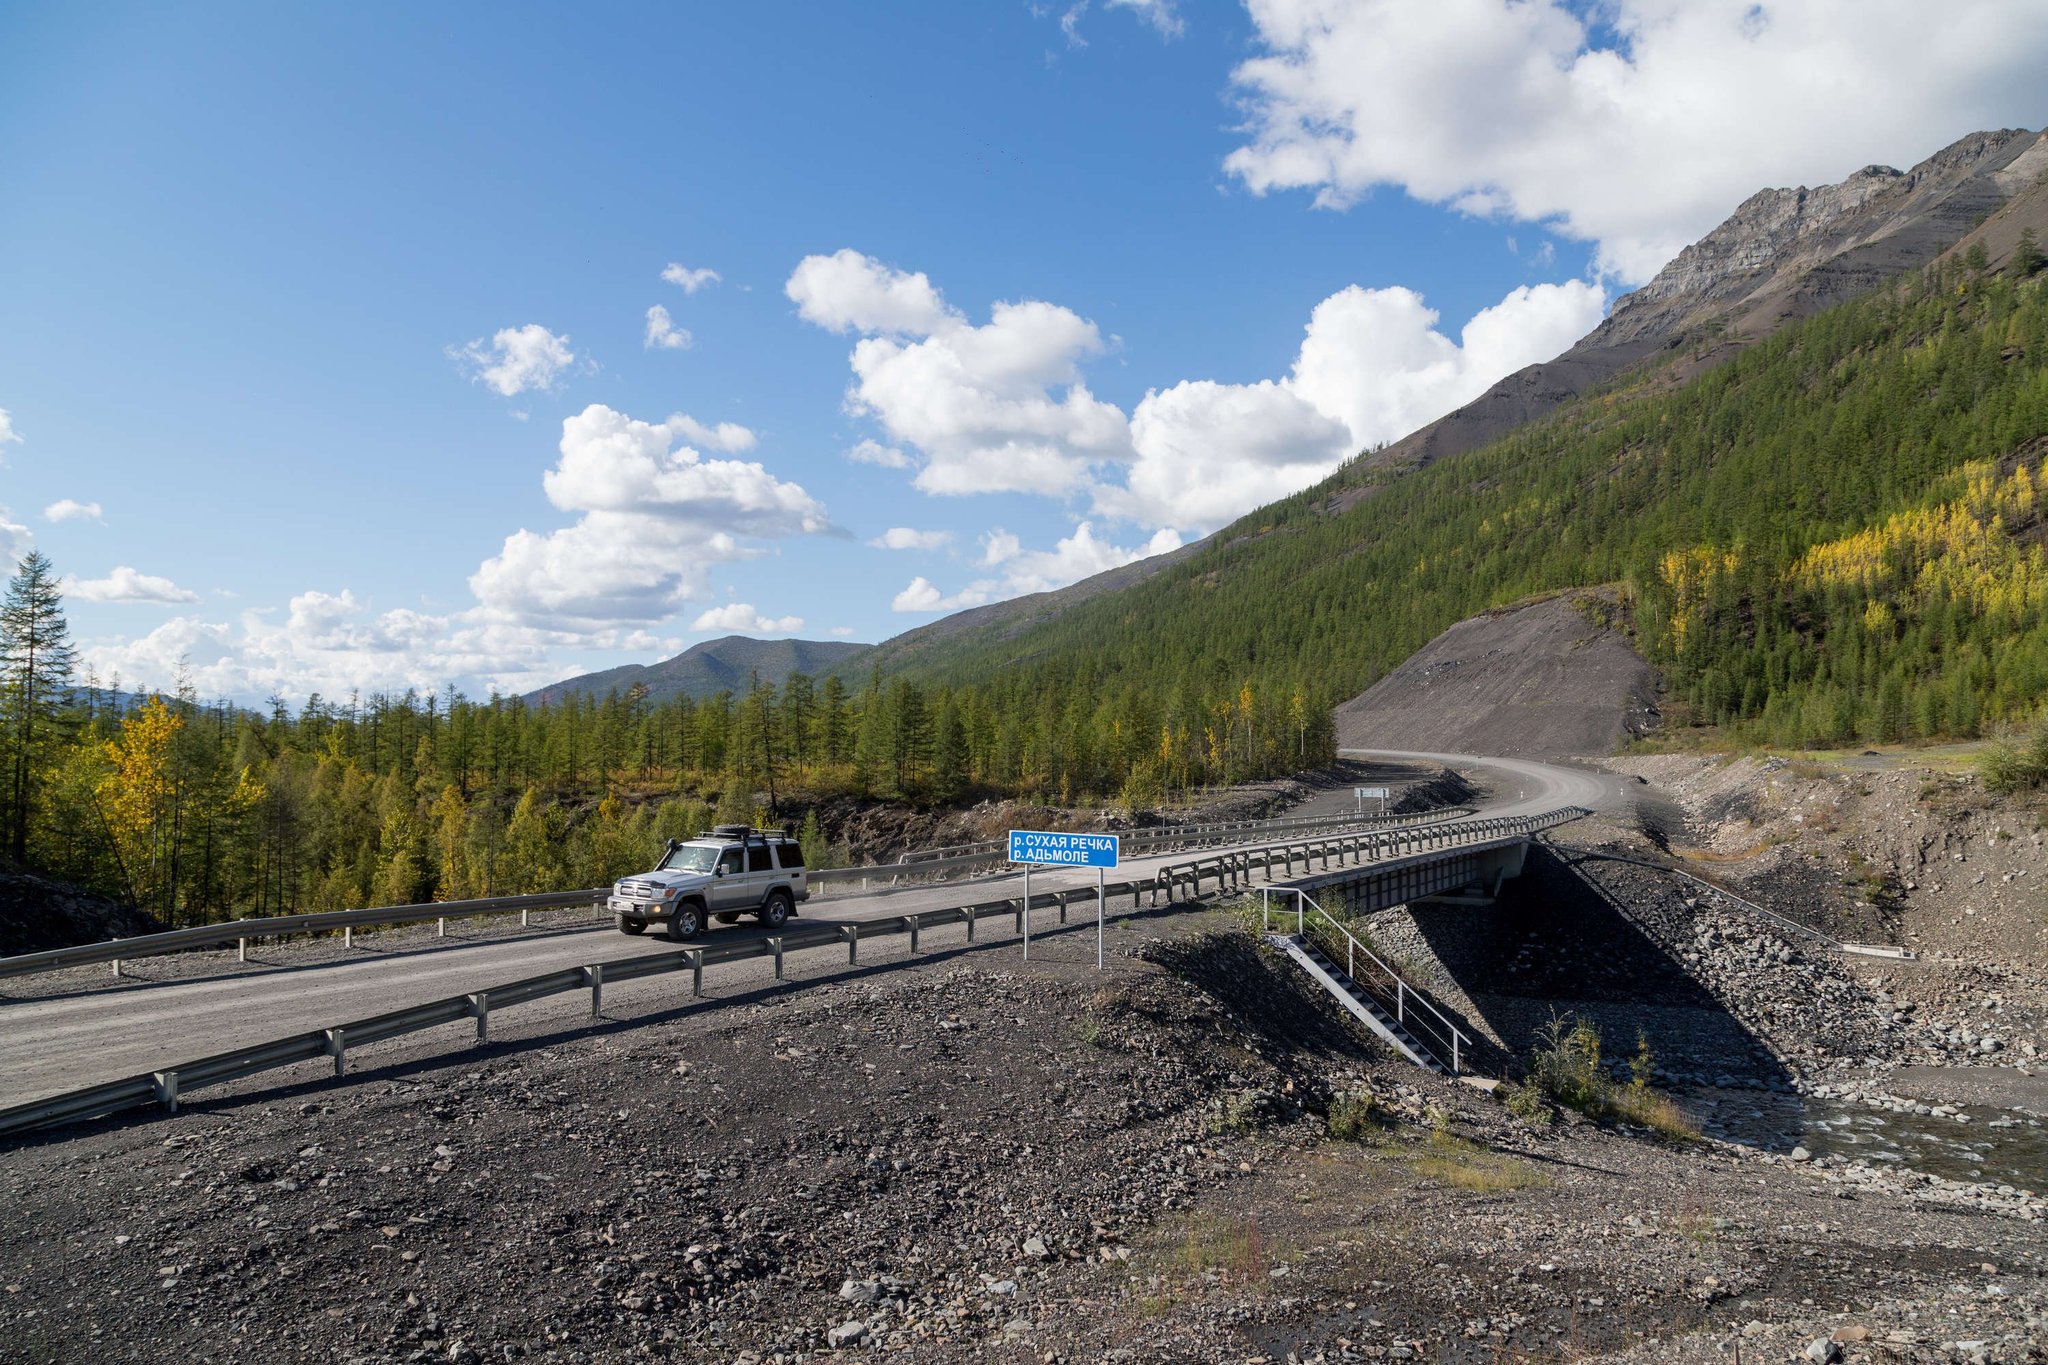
[(1356, 1117), (1566, 1068)]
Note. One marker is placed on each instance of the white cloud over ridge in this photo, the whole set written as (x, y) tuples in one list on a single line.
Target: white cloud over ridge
[(908, 538), (125, 584), (70, 509), (662, 334), (516, 359), (740, 617), (653, 514), (688, 280), (1507, 107), (1078, 556), (1002, 407)]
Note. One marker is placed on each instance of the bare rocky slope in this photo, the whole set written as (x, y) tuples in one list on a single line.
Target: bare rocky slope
[(1549, 679)]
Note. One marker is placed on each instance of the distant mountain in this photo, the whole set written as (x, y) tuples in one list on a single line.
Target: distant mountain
[(712, 667), (1783, 254)]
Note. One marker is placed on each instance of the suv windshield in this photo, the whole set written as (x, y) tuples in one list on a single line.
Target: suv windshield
[(690, 858)]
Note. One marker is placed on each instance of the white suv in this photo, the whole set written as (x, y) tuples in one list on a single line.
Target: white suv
[(730, 871)]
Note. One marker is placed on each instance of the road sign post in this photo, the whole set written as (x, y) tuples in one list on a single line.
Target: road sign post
[(1047, 848), (1378, 793)]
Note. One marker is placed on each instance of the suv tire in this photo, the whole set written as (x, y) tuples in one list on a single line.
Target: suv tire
[(632, 926), (686, 921), (775, 911)]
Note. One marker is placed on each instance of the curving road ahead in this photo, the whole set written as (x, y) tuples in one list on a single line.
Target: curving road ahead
[(1525, 786)]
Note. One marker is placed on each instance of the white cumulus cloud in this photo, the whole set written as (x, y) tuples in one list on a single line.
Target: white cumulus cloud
[(1002, 407), (994, 408), (688, 280), (875, 453), (70, 509), (1639, 139), (8, 435), (662, 333), (516, 359), (1373, 366), (127, 585), (652, 515), (743, 619), (15, 539), (905, 538)]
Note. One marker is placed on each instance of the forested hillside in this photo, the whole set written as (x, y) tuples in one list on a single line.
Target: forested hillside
[(1834, 535), (200, 811)]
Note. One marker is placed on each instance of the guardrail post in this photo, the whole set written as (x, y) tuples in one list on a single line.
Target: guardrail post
[(596, 989), (913, 931), (348, 936), (696, 956), (117, 966), (522, 917), (851, 932), (967, 912), (775, 945), (1063, 907), (337, 1048), (480, 1006), (167, 1090)]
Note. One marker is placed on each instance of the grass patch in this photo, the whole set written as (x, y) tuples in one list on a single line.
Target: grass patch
[(1466, 1165)]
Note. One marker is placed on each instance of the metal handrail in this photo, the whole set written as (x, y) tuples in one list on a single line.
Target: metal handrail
[(1304, 904)]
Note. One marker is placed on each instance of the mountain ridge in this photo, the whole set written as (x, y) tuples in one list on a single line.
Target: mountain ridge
[(708, 668)]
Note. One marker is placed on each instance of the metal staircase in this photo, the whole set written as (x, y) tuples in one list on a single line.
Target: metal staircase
[(1382, 1001)]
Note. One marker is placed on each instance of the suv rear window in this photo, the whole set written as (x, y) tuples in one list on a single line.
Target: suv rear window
[(757, 858), (790, 855)]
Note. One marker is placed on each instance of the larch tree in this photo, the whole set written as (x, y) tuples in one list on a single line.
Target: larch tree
[(36, 659)]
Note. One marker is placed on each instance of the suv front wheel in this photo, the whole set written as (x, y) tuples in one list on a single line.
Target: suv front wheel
[(686, 921), (775, 913)]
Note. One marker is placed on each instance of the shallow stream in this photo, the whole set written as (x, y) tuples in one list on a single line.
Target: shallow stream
[(1985, 1144)]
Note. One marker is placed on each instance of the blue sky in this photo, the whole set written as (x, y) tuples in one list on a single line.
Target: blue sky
[(325, 345)]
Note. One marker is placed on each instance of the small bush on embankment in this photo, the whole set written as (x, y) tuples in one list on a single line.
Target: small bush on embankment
[(1566, 1069)]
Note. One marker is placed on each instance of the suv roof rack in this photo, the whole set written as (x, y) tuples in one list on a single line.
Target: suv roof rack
[(742, 832)]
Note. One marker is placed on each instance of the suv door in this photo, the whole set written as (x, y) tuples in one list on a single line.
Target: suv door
[(729, 891), (760, 872)]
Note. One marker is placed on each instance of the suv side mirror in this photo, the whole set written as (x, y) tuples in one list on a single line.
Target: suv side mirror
[(719, 870)]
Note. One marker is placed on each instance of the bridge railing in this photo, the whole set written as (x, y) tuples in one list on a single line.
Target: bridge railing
[(240, 932), (164, 1086)]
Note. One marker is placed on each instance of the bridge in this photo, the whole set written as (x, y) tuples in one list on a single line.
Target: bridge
[(76, 1053)]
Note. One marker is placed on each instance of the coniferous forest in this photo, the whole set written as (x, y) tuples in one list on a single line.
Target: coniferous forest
[(1836, 535)]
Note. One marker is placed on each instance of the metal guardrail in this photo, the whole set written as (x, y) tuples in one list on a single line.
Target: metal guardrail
[(240, 932), (1387, 987), (165, 1086)]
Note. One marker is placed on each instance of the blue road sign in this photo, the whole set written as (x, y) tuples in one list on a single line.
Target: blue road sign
[(1063, 850)]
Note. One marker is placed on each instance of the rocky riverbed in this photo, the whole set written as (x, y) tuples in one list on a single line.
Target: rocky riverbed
[(1187, 1158)]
